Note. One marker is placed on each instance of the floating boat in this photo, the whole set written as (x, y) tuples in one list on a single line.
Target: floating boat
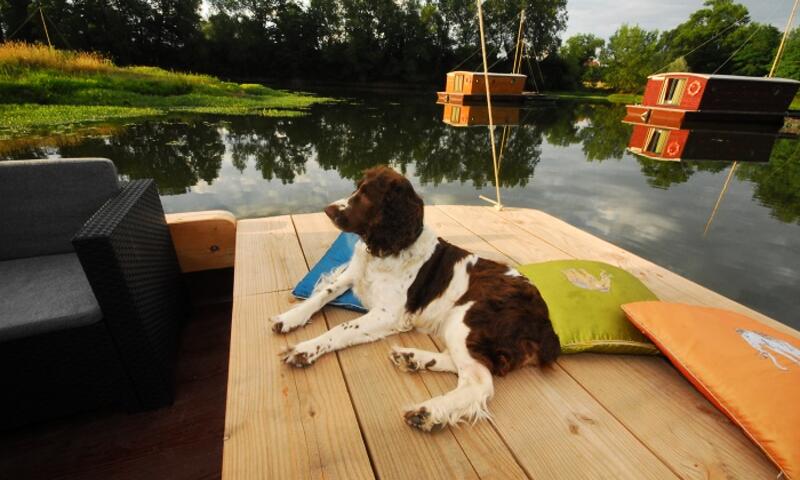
[(469, 88), (681, 99), (475, 115)]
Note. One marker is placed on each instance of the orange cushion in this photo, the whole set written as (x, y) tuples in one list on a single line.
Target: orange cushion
[(748, 370)]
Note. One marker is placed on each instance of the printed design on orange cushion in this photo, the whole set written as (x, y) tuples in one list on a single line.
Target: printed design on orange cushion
[(764, 343), (585, 280)]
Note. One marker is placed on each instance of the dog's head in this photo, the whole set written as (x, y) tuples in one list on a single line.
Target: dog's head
[(384, 210)]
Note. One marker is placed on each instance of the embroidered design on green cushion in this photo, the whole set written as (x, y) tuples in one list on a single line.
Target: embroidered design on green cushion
[(583, 279), (584, 299)]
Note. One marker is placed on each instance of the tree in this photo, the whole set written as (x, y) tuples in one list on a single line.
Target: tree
[(754, 47), (677, 65), (789, 66), (630, 55), (709, 36), (581, 53)]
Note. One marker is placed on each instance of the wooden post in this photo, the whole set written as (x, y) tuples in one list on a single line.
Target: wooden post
[(779, 53), (497, 204), (518, 51)]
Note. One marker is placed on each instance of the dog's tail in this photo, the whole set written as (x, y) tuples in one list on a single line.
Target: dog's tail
[(549, 346)]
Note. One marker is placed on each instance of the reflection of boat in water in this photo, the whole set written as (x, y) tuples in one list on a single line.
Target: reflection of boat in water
[(682, 99), (743, 143), (475, 115), (469, 88)]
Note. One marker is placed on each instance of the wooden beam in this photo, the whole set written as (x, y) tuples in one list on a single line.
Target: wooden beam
[(203, 240)]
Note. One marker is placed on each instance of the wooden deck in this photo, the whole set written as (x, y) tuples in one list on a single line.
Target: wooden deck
[(590, 416)]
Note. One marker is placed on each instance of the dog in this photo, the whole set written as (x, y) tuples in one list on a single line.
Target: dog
[(491, 319)]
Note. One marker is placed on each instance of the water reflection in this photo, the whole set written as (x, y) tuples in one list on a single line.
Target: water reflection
[(184, 152)]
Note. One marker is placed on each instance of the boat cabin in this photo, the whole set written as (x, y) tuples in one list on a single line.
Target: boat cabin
[(473, 83), (697, 91), (464, 87), (476, 115)]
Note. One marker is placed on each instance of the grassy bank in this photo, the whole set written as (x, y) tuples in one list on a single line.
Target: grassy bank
[(598, 96), (44, 88)]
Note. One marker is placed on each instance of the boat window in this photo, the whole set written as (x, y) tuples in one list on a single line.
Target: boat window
[(672, 93), (459, 83), (656, 138), (455, 114)]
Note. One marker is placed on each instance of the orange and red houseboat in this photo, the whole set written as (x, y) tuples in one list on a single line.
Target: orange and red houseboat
[(681, 99)]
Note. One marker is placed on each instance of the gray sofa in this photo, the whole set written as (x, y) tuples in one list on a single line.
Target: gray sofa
[(92, 300)]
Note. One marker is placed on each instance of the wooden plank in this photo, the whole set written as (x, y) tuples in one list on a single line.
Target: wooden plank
[(380, 393), (670, 416), (269, 258), (568, 434), (282, 422), (646, 394), (203, 240)]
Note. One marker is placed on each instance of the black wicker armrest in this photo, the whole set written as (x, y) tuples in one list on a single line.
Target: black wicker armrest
[(127, 253)]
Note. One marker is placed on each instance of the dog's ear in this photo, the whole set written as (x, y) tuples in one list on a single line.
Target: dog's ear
[(400, 220)]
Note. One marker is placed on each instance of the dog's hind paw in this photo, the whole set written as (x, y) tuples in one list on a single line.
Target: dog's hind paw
[(420, 418), (403, 359)]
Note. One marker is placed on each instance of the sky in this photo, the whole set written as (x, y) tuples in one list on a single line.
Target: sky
[(603, 17)]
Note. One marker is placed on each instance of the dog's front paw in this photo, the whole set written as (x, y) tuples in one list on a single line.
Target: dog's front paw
[(420, 418), (286, 322), (300, 356)]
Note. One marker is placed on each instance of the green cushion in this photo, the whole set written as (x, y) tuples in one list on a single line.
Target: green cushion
[(584, 299)]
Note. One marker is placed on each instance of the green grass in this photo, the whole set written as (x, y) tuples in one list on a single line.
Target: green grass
[(598, 96), (795, 103), (42, 88)]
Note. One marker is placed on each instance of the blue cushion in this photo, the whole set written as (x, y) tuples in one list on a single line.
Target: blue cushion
[(339, 254)]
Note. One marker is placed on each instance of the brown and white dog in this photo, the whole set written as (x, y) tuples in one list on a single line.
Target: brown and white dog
[(491, 319)]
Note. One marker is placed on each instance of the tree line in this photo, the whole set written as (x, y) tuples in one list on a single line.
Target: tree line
[(397, 41)]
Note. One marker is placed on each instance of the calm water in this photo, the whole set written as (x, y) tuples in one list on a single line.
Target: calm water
[(566, 159)]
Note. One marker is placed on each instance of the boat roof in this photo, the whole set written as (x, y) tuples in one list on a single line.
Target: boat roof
[(660, 76), (490, 73)]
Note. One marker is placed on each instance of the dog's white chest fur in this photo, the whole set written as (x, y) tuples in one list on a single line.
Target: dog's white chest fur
[(384, 281)]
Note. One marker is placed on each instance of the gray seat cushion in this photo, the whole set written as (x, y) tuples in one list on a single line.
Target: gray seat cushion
[(46, 202), (44, 294)]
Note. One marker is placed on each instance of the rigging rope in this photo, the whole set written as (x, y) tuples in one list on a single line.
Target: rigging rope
[(738, 49), (497, 204), (703, 44), (22, 25)]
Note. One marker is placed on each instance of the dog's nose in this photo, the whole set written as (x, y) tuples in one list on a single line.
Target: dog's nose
[(331, 210)]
